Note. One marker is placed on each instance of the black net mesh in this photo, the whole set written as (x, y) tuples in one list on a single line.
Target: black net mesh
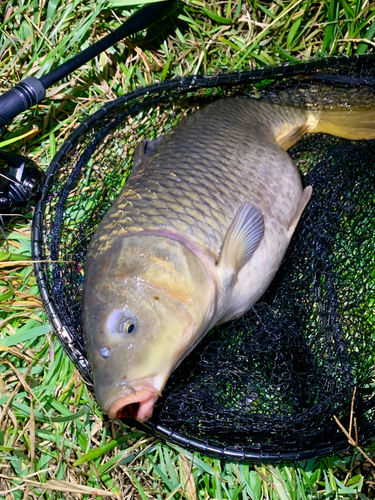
[(267, 386)]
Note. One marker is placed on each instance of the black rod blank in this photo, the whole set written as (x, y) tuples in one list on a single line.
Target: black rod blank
[(32, 90), (140, 20)]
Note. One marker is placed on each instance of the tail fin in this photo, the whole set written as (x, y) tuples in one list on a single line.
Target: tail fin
[(352, 122), (347, 123)]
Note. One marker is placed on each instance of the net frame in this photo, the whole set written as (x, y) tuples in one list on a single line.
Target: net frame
[(74, 346)]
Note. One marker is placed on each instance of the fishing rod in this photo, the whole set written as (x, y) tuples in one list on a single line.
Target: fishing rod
[(20, 178)]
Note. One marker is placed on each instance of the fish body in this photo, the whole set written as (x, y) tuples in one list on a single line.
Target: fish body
[(193, 240)]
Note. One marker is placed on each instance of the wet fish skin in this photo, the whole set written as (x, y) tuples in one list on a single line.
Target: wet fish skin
[(202, 224), (194, 182)]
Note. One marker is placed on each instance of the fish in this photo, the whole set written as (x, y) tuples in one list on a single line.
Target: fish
[(194, 239)]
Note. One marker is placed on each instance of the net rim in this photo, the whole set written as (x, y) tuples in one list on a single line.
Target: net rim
[(180, 86)]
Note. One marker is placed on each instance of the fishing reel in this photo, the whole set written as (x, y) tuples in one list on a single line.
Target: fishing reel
[(20, 182)]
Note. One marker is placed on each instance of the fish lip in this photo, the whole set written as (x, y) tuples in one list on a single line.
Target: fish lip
[(143, 394)]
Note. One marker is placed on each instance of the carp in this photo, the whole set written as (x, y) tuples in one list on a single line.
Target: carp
[(194, 239)]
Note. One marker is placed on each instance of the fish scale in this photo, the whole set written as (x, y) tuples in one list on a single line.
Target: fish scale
[(185, 188)]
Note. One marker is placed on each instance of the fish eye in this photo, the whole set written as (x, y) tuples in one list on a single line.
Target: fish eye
[(127, 326), (120, 322)]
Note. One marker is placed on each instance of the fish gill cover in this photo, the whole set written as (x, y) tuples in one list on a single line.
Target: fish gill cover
[(267, 386)]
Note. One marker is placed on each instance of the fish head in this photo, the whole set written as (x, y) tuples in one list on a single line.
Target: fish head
[(147, 302)]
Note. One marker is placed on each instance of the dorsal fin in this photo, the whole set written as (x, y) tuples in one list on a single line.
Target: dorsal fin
[(143, 149)]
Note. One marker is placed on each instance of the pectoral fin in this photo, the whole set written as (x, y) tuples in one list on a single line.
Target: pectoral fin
[(242, 239)]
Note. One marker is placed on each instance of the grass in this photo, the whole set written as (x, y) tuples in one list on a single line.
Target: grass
[(54, 443)]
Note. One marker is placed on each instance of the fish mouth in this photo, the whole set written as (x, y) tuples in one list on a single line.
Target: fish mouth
[(138, 405)]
